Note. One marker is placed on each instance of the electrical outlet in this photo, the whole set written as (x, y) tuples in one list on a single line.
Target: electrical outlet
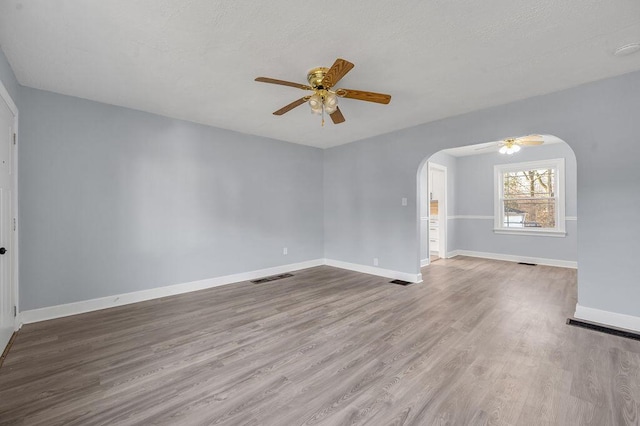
[(285, 250), (404, 202), (375, 261)]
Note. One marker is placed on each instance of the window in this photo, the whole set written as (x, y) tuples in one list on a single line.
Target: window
[(530, 198)]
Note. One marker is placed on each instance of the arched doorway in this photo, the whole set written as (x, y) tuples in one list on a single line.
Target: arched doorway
[(538, 226)]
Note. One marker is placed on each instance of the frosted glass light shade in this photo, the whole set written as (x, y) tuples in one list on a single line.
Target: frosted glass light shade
[(330, 103), (315, 102), (509, 150)]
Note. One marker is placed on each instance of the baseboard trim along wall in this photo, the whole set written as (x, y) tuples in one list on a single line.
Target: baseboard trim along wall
[(58, 311), (513, 258), (68, 309), (614, 319), (373, 270)]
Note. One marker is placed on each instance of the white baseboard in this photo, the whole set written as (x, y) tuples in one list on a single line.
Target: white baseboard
[(374, 270), (608, 318), (424, 262), (68, 309), (514, 258), (451, 254), (58, 311)]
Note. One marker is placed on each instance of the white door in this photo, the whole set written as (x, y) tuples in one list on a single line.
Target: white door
[(7, 298)]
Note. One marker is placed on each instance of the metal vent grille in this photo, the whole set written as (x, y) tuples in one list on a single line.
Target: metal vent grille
[(271, 278), (400, 282), (603, 329)]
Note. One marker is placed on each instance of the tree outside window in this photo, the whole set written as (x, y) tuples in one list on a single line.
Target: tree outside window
[(528, 196)]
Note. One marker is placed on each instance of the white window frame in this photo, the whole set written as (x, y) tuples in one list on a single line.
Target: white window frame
[(559, 191)]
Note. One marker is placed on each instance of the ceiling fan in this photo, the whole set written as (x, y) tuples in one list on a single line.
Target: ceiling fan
[(325, 98), (512, 145)]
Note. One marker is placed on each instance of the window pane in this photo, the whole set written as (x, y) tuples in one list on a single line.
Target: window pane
[(537, 183), (528, 213)]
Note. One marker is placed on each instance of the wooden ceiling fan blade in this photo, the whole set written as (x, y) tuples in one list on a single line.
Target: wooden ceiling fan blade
[(535, 137), (529, 142), (338, 70), (283, 83), (360, 95), (337, 116), (530, 138), (291, 106)]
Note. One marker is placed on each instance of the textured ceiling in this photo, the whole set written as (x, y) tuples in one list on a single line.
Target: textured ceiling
[(196, 60)]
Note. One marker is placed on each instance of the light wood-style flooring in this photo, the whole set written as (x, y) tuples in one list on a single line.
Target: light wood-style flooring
[(478, 342)]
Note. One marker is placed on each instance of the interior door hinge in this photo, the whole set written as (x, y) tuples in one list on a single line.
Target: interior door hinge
[(14, 223), (14, 138), (15, 311)]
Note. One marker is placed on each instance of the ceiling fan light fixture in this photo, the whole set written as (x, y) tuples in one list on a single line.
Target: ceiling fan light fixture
[(509, 149), (330, 103), (330, 109), (315, 102), (325, 97), (330, 100), (510, 146)]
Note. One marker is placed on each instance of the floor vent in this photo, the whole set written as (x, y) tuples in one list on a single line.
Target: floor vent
[(604, 329), (528, 264), (271, 278), (400, 282)]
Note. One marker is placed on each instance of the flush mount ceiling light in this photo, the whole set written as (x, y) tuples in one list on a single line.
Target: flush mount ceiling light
[(627, 49), (324, 100)]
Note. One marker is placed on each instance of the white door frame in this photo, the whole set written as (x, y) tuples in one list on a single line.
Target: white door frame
[(423, 213), (442, 224), (4, 94)]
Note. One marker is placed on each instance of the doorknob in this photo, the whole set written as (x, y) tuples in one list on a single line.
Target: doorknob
[(3, 250)]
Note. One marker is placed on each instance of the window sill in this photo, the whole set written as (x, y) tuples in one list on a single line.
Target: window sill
[(530, 232)]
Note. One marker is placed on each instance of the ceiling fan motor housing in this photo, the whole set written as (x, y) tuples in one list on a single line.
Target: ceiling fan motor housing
[(315, 77)]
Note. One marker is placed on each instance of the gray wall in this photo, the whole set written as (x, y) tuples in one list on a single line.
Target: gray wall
[(475, 197), (364, 218), (365, 180), (114, 200), (8, 79)]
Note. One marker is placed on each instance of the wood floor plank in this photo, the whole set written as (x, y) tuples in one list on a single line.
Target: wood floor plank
[(478, 342)]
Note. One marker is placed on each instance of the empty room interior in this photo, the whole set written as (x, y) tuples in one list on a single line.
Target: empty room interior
[(347, 213)]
